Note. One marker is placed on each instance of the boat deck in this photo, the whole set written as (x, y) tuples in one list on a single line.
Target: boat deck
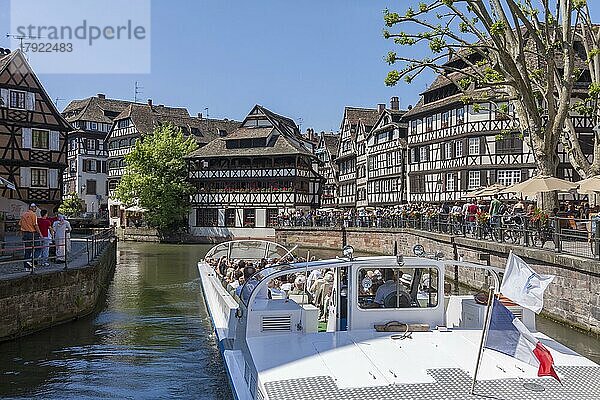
[(372, 365)]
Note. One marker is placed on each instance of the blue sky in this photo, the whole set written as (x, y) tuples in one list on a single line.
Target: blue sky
[(304, 59)]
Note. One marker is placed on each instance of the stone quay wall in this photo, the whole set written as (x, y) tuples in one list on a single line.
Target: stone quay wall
[(34, 302), (572, 298)]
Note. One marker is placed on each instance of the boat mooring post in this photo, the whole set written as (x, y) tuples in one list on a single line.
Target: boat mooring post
[(486, 326)]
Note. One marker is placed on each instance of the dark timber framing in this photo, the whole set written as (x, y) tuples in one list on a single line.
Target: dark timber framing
[(33, 144)]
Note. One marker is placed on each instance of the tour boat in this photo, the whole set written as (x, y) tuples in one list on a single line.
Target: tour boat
[(276, 349)]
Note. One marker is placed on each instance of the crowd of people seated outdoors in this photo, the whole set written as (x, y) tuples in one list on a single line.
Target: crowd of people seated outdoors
[(238, 278)]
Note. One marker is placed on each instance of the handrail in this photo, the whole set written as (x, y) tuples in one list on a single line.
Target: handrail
[(580, 237), (17, 256)]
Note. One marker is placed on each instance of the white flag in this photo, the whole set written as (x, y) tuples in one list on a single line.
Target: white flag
[(523, 285)]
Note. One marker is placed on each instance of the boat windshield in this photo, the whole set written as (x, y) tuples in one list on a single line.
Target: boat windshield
[(266, 274), (247, 250)]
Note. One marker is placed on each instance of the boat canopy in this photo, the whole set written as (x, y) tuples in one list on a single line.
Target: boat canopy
[(248, 250)]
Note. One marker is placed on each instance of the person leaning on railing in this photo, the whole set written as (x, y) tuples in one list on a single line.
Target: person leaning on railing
[(594, 216), (30, 232)]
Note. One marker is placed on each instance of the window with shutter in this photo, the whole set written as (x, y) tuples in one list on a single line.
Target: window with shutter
[(30, 101), (39, 177), (26, 138), (3, 97), (17, 99), (40, 139), (53, 178), (25, 176), (54, 140)]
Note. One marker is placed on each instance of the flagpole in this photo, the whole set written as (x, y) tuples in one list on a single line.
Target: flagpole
[(484, 332)]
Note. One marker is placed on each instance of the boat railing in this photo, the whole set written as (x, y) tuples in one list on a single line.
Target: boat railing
[(227, 306)]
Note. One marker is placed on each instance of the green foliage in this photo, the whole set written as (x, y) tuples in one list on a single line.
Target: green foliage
[(579, 4), (437, 45), (498, 28), (71, 205), (392, 78), (156, 178)]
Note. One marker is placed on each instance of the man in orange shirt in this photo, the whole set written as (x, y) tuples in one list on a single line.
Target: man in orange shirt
[(30, 232)]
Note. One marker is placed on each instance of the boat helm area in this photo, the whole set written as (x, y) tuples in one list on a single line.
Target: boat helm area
[(364, 293)]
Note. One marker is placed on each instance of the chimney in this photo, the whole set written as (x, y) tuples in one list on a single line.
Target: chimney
[(150, 102), (200, 115), (395, 103), (101, 96), (380, 108)]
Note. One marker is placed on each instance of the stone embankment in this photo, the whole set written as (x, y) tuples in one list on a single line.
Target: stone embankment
[(32, 302), (572, 298)]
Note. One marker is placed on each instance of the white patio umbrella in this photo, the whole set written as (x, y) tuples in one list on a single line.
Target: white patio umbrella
[(136, 209), (590, 185), (491, 190), (540, 184), (473, 193)]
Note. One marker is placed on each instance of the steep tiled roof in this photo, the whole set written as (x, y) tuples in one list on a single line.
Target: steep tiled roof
[(94, 109), (367, 115), (146, 118), (248, 133), (331, 142), (280, 145), (284, 138)]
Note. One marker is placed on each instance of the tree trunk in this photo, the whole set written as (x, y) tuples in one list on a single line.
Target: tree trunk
[(546, 165)]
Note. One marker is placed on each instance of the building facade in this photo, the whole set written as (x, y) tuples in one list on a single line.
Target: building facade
[(33, 140), (386, 147), (87, 157), (456, 147), (326, 152), (355, 120), (138, 120), (245, 180)]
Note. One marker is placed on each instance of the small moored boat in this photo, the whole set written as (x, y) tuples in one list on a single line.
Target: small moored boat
[(383, 328)]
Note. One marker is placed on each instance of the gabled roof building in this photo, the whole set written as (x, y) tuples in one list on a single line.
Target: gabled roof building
[(87, 155), (246, 179), (138, 120), (33, 140), (326, 152)]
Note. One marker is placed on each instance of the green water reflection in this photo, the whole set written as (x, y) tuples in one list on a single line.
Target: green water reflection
[(151, 338)]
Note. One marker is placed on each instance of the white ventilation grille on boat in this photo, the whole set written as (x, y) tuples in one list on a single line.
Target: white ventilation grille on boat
[(517, 311), (278, 323)]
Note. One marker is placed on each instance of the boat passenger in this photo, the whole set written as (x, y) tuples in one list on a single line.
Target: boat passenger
[(244, 292), (390, 288), (299, 285)]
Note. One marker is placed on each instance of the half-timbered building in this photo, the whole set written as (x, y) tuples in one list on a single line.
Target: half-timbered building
[(356, 123), (32, 140), (138, 120), (245, 180), (87, 154), (326, 152), (457, 147), (386, 149)]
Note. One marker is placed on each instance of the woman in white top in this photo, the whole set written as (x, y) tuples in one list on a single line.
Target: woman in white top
[(62, 237)]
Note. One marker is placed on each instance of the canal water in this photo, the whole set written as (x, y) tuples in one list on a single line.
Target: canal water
[(150, 338)]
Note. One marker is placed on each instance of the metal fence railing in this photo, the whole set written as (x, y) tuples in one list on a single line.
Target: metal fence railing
[(580, 237), (18, 255)]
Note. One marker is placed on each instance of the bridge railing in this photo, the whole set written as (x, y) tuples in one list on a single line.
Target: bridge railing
[(18, 255), (580, 237)]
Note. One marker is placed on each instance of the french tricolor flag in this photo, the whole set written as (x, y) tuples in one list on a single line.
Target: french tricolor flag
[(508, 335)]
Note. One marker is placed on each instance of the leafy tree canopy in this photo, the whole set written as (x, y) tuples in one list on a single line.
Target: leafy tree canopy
[(71, 205), (155, 178)]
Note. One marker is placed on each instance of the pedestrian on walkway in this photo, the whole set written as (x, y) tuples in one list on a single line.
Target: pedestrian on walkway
[(46, 232), (62, 238), (30, 234)]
